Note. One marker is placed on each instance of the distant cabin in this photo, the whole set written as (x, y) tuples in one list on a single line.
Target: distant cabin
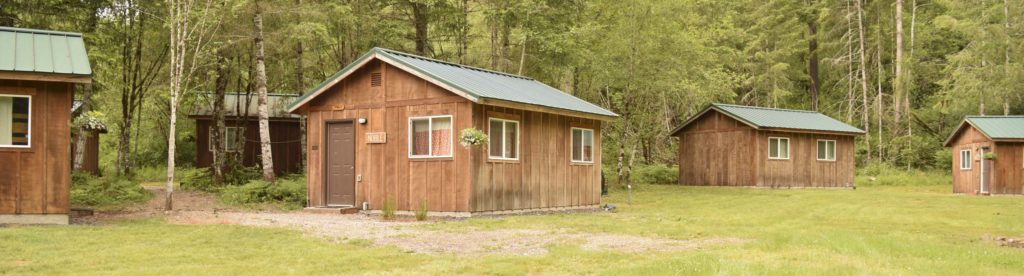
[(91, 155), (733, 145), (386, 129), (988, 155), (38, 73), (241, 134)]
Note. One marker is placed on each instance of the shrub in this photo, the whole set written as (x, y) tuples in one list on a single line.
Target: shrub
[(388, 210), (655, 174), (421, 211), (288, 192), (202, 179), (882, 174), (105, 192)]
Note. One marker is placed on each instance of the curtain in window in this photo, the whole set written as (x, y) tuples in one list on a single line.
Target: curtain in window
[(420, 138), (442, 136)]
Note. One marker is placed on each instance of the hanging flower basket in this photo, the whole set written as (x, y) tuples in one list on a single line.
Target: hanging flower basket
[(472, 137), (989, 156)]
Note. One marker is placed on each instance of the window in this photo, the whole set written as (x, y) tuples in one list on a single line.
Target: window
[(15, 113), (430, 136), (827, 150), (965, 159), (232, 137), (504, 135), (778, 148), (582, 145)]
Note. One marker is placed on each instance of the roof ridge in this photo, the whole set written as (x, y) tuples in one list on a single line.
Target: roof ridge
[(453, 64), (766, 108), (38, 31)]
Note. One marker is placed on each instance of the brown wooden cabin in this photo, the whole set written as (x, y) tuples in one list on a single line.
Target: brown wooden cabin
[(733, 145), (38, 73), (241, 117), (988, 155), (386, 128), (91, 156)]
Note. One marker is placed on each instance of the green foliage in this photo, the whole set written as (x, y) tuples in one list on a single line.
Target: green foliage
[(288, 192), (472, 137), (389, 209), (94, 120), (105, 192), (421, 211), (655, 174), (989, 156), (882, 174)]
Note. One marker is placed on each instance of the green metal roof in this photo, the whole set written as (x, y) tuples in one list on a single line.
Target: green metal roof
[(764, 118), (478, 83), (39, 51), (993, 127), (277, 104)]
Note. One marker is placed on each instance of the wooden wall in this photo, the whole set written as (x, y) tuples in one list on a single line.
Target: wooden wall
[(387, 171), (968, 181), (36, 180), (284, 138), (716, 150), (91, 156), (1008, 176), (544, 176)]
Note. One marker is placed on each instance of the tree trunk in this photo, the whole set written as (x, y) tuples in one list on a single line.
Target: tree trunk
[(897, 95), (419, 20), (863, 76), (261, 94), (850, 85), (812, 61), (881, 96), (522, 55), (83, 131), (220, 89), (300, 86), (464, 33)]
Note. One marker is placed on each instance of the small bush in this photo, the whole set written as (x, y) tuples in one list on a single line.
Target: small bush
[(288, 192), (388, 210), (202, 179), (655, 174), (105, 192), (881, 174), (421, 211)]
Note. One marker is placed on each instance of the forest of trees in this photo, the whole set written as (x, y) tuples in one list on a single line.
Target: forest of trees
[(904, 70)]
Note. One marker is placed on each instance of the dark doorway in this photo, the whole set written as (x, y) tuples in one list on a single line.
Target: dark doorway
[(340, 164)]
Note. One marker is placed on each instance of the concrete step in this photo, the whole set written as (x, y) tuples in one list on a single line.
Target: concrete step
[(331, 210)]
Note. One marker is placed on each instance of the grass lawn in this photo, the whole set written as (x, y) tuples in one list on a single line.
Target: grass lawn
[(871, 230)]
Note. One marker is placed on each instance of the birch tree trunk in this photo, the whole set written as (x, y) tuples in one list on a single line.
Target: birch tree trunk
[(897, 95), (220, 89), (261, 94), (863, 76)]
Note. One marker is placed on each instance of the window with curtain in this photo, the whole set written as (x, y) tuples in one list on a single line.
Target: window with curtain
[(15, 111), (504, 139), (430, 136), (582, 145)]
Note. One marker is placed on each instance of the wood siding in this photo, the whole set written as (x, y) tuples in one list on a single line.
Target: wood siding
[(36, 180), (969, 180), (91, 156), (544, 176), (1008, 175), (284, 138), (717, 150)]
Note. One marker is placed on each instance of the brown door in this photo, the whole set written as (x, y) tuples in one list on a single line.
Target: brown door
[(340, 164)]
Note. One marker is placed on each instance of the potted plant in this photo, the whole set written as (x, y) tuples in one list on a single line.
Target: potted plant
[(989, 156)]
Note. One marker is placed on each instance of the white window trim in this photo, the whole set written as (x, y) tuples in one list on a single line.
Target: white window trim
[(779, 145), (571, 147), (224, 137), (834, 154), (430, 138), (968, 161), (503, 136), (29, 134)]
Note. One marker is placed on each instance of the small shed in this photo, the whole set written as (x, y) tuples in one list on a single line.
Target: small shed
[(988, 155), (91, 155), (386, 128), (734, 145), (38, 73), (242, 133)]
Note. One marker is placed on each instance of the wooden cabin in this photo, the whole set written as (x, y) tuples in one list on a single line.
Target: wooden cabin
[(242, 133), (91, 155), (988, 155), (733, 145), (386, 129), (38, 73)]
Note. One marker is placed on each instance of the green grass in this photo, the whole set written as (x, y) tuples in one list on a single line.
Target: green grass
[(916, 229)]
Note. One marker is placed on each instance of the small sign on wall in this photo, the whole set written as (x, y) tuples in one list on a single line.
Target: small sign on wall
[(376, 137)]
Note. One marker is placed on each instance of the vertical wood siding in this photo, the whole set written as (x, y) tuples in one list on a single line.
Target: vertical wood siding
[(968, 181), (36, 180), (284, 136), (1008, 175)]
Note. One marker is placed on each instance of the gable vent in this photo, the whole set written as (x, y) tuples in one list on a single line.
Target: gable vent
[(375, 79)]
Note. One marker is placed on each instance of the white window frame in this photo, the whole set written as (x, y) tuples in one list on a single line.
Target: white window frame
[(224, 137), (29, 128), (779, 150), (966, 161), (827, 142), (572, 147), (430, 138), (504, 129)]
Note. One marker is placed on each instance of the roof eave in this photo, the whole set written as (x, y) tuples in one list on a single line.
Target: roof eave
[(46, 76)]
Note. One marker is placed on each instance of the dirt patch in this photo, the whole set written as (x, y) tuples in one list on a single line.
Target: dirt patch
[(202, 208), (1011, 242)]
